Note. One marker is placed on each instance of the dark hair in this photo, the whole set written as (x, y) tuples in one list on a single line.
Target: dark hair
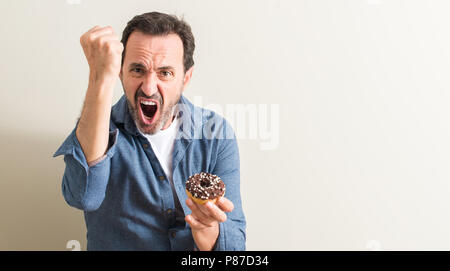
[(155, 23)]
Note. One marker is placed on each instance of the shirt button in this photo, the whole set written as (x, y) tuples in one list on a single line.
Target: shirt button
[(162, 178)]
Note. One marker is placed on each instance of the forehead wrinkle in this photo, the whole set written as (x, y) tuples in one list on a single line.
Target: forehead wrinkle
[(140, 54), (160, 50)]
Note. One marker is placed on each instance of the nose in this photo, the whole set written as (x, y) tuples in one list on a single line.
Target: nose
[(150, 84)]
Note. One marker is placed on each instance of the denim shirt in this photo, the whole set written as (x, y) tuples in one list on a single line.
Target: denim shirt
[(128, 202)]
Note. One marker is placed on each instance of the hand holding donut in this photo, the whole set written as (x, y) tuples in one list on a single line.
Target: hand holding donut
[(208, 208)]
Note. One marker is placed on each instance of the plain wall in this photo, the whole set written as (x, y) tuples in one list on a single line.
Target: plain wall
[(362, 90)]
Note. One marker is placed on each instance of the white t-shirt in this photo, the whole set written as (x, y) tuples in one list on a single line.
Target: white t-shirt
[(162, 144)]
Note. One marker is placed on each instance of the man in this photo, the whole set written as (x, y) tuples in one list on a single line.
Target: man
[(126, 166)]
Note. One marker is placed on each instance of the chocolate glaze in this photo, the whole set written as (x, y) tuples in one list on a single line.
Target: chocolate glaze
[(205, 186)]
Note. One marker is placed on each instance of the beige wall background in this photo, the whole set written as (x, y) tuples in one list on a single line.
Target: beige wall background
[(362, 88)]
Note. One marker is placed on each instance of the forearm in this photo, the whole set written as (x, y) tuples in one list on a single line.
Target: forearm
[(93, 127)]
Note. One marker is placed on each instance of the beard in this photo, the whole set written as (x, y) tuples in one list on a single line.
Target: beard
[(166, 111)]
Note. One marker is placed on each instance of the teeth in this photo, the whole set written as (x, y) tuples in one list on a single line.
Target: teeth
[(148, 102)]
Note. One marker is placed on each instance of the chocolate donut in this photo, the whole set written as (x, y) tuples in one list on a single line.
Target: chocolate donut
[(203, 187)]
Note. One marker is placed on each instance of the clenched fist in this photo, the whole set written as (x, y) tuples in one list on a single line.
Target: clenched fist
[(103, 51)]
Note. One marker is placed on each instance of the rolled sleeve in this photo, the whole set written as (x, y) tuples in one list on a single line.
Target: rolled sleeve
[(83, 184)]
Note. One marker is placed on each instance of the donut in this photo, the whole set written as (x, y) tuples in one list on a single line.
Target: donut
[(203, 187)]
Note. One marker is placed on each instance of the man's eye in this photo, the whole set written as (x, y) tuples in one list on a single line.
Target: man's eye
[(166, 73), (137, 70)]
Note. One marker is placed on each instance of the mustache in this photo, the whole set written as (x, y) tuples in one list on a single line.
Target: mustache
[(157, 96)]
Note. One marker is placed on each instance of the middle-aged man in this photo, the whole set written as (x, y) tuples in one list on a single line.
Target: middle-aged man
[(126, 166)]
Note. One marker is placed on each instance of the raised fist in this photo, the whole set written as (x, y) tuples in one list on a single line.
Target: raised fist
[(103, 51)]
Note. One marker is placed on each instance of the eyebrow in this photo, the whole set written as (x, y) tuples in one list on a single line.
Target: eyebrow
[(142, 66), (166, 68), (137, 65)]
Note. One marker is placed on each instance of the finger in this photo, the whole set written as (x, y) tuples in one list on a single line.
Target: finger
[(102, 31), (85, 36), (93, 28), (92, 31), (202, 208), (106, 38), (110, 36), (109, 42), (225, 204), (194, 223), (199, 214), (212, 211), (95, 34), (215, 212)]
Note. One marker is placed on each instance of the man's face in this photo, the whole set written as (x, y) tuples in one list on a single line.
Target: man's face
[(153, 79)]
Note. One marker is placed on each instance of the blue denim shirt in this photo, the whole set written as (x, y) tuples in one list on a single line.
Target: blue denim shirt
[(128, 202)]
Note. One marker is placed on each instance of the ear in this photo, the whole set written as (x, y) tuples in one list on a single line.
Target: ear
[(187, 77)]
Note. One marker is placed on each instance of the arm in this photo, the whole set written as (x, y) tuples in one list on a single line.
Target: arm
[(221, 226), (88, 149), (84, 184), (232, 234), (103, 52)]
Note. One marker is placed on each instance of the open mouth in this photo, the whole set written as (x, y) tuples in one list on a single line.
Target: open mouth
[(149, 110)]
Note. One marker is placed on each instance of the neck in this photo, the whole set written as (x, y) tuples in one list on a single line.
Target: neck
[(168, 123)]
